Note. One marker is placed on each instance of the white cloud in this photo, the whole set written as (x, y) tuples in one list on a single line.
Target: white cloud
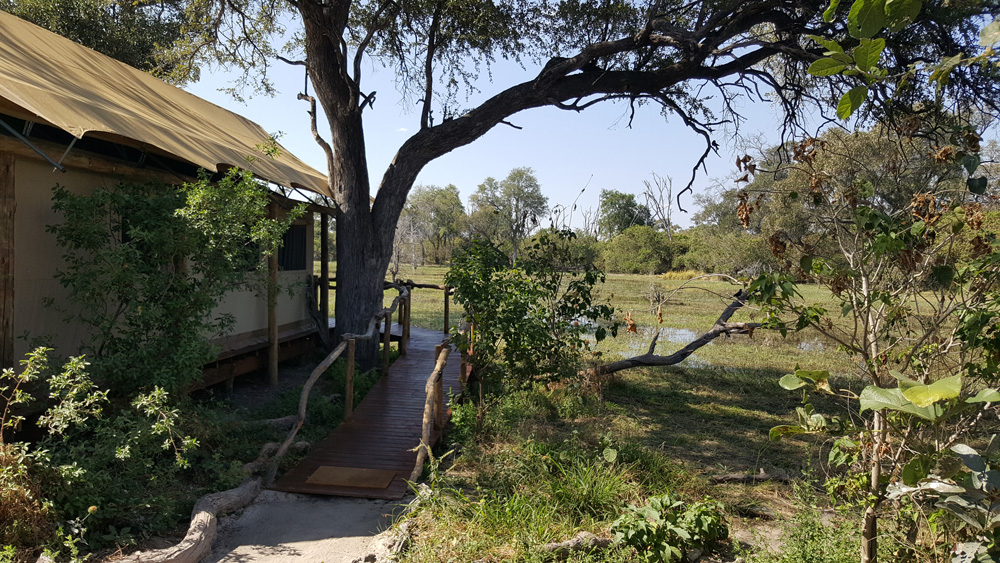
[(402, 130)]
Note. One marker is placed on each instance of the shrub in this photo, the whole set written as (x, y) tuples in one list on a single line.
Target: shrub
[(530, 320), (638, 250), (665, 528), (146, 265)]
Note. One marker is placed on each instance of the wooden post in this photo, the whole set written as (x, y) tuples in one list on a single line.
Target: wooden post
[(385, 344), (446, 323), (402, 326), (409, 310), (463, 371), (438, 385), (7, 208), (349, 385), (324, 268), (439, 403), (272, 309)]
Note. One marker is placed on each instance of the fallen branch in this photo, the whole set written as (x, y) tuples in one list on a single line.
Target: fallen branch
[(583, 541), (721, 326), (749, 479)]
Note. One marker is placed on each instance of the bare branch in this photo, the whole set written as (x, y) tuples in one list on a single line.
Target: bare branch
[(721, 326)]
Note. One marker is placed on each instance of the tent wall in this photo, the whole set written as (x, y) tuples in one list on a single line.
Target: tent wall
[(37, 259)]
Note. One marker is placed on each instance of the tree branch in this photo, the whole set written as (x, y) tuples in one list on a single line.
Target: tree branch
[(721, 326)]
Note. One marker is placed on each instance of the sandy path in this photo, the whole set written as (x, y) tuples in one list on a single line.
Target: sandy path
[(281, 527)]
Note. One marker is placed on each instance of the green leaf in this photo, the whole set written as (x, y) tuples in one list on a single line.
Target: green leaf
[(814, 375), (791, 382), (918, 228), (877, 398), (866, 18), (900, 13), (868, 53), (985, 396), (842, 57), (806, 263), (977, 185), (600, 334), (903, 381), (990, 34), (970, 457), (943, 69), (940, 390), (777, 432), (830, 11), (610, 454), (970, 162), (826, 67), (827, 44), (851, 101), (943, 274), (915, 470)]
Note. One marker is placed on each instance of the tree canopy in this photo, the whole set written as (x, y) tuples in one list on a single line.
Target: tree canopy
[(619, 211), (670, 53), (509, 210)]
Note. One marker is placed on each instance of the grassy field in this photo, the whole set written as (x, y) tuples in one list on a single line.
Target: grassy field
[(524, 465)]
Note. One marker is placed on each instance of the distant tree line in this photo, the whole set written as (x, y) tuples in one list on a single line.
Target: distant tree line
[(733, 232)]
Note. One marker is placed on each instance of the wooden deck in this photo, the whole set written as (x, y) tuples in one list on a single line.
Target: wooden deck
[(384, 429)]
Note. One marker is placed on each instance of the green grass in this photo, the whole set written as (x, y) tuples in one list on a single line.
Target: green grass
[(531, 467)]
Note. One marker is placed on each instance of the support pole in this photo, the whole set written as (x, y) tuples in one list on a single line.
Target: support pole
[(439, 405), (446, 323), (272, 309), (7, 208), (401, 316), (349, 384), (409, 310), (324, 267), (385, 344)]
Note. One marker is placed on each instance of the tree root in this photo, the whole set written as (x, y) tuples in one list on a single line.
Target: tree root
[(197, 544)]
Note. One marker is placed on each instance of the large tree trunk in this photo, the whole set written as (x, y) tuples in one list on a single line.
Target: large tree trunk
[(361, 267), (364, 243)]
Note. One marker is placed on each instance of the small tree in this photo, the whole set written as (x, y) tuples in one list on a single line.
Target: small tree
[(146, 266), (531, 320), (912, 269)]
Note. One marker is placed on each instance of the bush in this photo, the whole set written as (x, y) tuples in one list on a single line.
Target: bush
[(665, 528), (146, 266), (641, 250), (531, 320)]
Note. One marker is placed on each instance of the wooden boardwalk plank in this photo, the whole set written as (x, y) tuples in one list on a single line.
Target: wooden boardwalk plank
[(384, 429)]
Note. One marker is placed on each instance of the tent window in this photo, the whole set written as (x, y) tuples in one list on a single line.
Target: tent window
[(292, 254)]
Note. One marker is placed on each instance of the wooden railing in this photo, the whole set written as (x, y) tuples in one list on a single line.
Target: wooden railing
[(347, 344), (433, 419), (434, 404), (409, 284)]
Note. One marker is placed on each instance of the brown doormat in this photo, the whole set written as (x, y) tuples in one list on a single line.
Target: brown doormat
[(351, 477)]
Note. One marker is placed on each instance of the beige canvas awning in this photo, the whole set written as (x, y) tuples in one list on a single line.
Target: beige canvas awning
[(61, 83)]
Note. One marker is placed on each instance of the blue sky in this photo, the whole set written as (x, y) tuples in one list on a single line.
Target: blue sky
[(567, 150)]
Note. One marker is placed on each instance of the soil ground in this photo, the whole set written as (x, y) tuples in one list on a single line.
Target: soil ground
[(280, 527)]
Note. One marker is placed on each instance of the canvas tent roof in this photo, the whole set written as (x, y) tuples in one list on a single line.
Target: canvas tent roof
[(50, 79)]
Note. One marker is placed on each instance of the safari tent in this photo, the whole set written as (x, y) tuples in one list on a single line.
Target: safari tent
[(72, 116)]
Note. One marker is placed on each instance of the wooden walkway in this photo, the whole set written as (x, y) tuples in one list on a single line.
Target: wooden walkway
[(384, 429)]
